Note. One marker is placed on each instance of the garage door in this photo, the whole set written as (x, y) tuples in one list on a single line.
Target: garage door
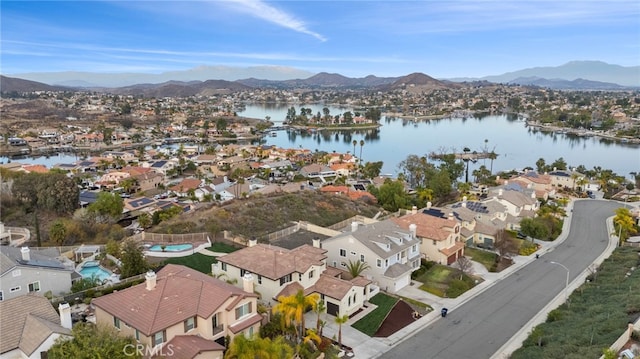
[(402, 282), (333, 309)]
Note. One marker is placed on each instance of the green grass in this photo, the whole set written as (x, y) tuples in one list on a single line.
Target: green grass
[(222, 248), (370, 323), (196, 261), (485, 258), (438, 280), (424, 306)]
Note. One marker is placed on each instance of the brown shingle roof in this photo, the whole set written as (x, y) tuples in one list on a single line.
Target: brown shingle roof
[(26, 321), (331, 287), (427, 226), (251, 320), (275, 262), (453, 249), (180, 293), (189, 346)]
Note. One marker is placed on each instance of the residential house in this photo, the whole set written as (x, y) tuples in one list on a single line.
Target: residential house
[(162, 166), (317, 171), (565, 178), (350, 192), (29, 326), (277, 271), (475, 230), (517, 203), (23, 271), (112, 179), (439, 234), (185, 186), (391, 252), (182, 310)]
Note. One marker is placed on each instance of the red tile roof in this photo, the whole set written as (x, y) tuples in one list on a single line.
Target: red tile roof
[(180, 293), (427, 226)]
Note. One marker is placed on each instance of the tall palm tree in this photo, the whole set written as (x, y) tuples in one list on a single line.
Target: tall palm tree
[(320, 308), (492, 156), (341, 319), (354, 146), (294, 306)]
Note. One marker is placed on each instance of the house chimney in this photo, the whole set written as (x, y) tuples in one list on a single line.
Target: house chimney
[(414, 210), (65, 315), (533, 195), (428, 205), (500, 192), (506, 182), (412, 230), (247, 282), (464, 201), (214, 269), (498, 179), (26, 256), (450, 216), (316, 243), (253, 242), (150, 278), (354, 226)]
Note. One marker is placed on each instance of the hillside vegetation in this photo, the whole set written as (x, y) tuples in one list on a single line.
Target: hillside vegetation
[(259, 216)]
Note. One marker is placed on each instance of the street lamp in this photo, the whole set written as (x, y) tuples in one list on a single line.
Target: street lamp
[(566, 284)]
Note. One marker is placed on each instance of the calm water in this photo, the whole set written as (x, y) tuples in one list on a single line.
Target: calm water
[(516, 145)]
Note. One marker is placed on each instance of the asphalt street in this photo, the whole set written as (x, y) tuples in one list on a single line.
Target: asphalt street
[(479, 327)]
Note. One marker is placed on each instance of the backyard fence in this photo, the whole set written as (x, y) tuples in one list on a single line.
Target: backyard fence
[(89, 293), (162, 238)]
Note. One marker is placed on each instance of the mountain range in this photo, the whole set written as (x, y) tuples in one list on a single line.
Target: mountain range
[(576, 75)]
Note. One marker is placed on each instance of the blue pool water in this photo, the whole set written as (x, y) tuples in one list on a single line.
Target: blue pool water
[(171, 247), (92, 268)]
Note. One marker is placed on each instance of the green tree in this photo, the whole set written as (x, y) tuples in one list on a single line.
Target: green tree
[(341, 319), (293, 308), (372, 169), (441, 185), (391, 195), (534, 228), (144, 220), (113, 248), (355, 268), (133, 261), (258, 348), (107, 207), (624, 224), (541, 165), (90, 342), (58, 232)]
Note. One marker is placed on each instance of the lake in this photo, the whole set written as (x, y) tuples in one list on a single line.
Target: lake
[(517, 146)]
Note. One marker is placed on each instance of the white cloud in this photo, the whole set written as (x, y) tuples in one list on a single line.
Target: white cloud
[(264, 11)]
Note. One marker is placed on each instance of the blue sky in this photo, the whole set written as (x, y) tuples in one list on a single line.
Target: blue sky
[(443, 39)]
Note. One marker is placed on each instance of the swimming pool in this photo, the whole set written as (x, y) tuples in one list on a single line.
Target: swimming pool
[(93, 268), (171, 247)]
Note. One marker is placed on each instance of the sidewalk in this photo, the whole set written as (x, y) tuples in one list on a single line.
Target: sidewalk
[(367, 347)]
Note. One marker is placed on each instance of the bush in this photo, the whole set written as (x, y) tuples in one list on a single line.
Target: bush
[(527, 248)]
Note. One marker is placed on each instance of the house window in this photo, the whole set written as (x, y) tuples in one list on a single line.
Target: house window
[(218, 327), (343, 264), (397, 256), (137, 335), (335, 264), (352, 253), (434, 242), (116, 322), (285, 279), (414, 248), (242, 272), (243, 310), (1, 296), (386, 263), (34, 287), (190, 323), (16, 273), (159, 338), (224, 266), (259, 279), (15, 289), (249, 333), (378, 262), (311, 274), (299, 277), (362, 258), (343, 252)]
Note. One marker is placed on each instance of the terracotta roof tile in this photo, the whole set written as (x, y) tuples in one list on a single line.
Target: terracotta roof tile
[(189, 346), (453, 249), (180, 293), (251, 320), (429, 227)]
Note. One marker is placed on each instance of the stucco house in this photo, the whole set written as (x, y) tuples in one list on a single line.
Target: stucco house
[(23, 271), (277, 271), (29, 326), (391, 252), (181, 310), (439, 234)]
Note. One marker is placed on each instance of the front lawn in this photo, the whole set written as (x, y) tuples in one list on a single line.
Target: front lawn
[(370, 323), (222, 248), (486, 258), (196, 261), (445, 281)]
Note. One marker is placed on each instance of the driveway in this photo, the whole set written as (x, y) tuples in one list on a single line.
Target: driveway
[(479, 327)]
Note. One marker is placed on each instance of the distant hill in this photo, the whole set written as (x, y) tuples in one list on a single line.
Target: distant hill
[(418, 81), (201, 73), (588, 70), (9, 84), (322, 80), (181, 89), (559, 84)]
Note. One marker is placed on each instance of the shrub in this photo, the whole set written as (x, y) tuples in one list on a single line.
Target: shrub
[(554, 315), (527, 248)]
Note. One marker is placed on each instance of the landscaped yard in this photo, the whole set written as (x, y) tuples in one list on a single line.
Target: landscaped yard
[(486, 258), (445, 281), (370, 323), (196, 261), (221, 247)]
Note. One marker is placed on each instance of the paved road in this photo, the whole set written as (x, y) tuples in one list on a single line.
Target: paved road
[(479, 327)]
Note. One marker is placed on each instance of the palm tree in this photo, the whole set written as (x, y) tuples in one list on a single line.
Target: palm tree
[(294, 306), (320, 308), (361, 144), (354, 146), (492, 156), (356, 268), (341, 319)]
